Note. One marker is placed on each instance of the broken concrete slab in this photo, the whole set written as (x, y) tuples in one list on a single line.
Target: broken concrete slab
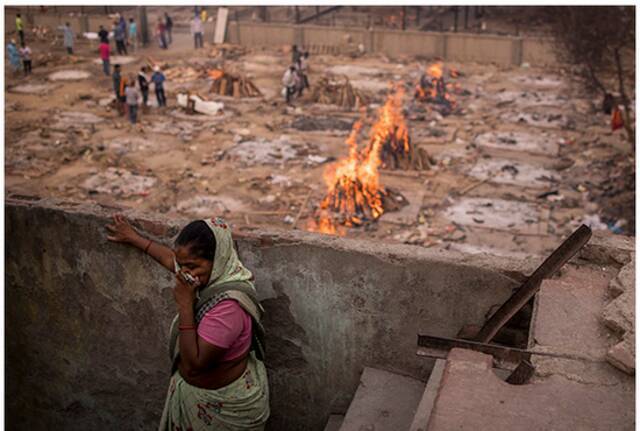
[(472, 397), (504, 171), (538, 81), (494, 213), (119, 182), (124, 145), (528, 99), (383, 400), (535, 143), (69, 75), (622, 355), (625, 280), (619, 314), (70, 119), (607, 249)]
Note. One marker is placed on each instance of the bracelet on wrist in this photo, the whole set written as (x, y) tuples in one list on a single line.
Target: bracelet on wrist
[(187, 328), (146, 249)]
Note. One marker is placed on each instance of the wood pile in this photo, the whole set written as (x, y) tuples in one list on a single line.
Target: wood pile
[(227, 51), (182, 74), (226, 84), (330, 91)]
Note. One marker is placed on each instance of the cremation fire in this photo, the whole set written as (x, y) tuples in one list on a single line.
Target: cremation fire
[(390, 136), (433, 89), (354, 194)]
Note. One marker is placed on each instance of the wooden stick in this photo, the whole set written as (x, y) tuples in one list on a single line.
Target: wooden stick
[(479, 183), (304, 204)]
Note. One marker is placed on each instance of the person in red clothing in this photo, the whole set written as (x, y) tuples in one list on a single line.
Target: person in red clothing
[(216, 338), (104, 55)]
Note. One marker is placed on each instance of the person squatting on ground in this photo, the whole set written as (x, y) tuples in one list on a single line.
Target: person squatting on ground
[(68, 37), (104, 56), (14, 55), (290, 81), (168, 23), (20, 29), (133, 34), (197, 30), (158, 80), (218, 379), (132, 98), (25, 53), (143, 82)]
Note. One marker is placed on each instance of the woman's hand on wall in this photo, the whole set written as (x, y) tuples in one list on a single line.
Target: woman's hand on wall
[(122, 231)]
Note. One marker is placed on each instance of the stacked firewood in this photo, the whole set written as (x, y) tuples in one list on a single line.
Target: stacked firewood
[(182, 74), (332, 91), (227, 51), (226, 84)]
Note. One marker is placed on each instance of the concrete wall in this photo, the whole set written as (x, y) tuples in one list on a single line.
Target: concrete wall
[(503, 50), (87, 320)]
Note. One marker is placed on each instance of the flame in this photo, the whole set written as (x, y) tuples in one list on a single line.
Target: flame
[(215, 74), (435, 70), (354, 193)]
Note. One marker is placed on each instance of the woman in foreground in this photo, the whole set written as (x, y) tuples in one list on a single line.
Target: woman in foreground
[(219, 381)]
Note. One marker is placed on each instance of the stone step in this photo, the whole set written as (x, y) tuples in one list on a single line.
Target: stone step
[(334, 423), (383, 401), (421, 418)]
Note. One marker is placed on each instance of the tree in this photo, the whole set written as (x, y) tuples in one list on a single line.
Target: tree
[(600, 39)]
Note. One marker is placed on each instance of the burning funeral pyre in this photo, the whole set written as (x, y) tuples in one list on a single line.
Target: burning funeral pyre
[(433, 89), (391, 135), (354, 193), (225, 84)]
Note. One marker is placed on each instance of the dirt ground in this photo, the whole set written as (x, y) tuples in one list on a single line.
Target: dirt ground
[(528, 158)]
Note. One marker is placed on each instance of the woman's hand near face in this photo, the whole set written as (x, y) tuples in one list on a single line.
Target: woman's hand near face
[(184, 293), (121, 231)]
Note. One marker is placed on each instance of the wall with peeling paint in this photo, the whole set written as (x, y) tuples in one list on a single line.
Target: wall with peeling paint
[(87, 320)]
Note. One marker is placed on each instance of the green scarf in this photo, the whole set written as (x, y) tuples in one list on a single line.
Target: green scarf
[(229, 279)]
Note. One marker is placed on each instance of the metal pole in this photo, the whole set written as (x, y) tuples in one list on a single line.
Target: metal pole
[(404, 17), (418, 16), (455, 19), (297, 15), (466, 17), (144, 25)]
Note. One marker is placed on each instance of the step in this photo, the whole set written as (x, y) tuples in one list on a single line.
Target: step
[(334, 423), (383, 401), (421, 418)]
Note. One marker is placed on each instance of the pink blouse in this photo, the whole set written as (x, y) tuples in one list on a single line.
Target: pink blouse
[(227, 326)]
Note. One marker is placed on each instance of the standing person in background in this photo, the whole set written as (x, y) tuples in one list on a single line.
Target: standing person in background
[(290, 82), (143, 82), (104, 56), (168, 23), (133, 34), (122, 23), (158, 80), (295, 54), (103, 34), (117, 86), (197, 31), (119, 35), (14, 56), (161, 33), (69, 37), (20, 29), (132, 98), (203, 15), (26, 59)]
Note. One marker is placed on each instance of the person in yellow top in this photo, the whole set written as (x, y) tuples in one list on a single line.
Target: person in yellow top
[(20, 29), (203, 15)]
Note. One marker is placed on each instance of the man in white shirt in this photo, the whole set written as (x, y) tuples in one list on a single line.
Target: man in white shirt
[(290, 80)]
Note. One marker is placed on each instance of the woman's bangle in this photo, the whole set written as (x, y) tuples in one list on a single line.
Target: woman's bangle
[(186, 328), (146, 249)]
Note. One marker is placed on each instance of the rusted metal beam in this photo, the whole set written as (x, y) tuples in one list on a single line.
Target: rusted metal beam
[(521, 375), (530, 287), (319, 14)]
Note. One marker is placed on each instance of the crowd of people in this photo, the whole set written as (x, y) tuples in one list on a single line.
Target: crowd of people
[(295, 79)]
